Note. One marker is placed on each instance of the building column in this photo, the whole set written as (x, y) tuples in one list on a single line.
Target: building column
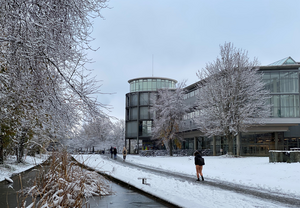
[(195, 143), (129, 147), (238, 145), (214, 146), (276, 141), (138, 123)]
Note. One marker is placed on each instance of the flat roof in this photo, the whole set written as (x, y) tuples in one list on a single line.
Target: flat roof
[(152, 78)]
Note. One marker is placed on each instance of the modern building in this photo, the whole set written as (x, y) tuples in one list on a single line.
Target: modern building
[(281, 131), (138, 116)]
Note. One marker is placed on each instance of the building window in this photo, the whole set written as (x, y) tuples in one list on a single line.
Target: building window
[(144, 113), (289, 106), (284, 89), (289, 82), (133, 100), (281, 82), (144, 99), (275, 109), (131, 129), (145, 128), (133, 113)]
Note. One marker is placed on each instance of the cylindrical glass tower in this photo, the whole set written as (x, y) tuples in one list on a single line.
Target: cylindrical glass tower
[(138, 117)]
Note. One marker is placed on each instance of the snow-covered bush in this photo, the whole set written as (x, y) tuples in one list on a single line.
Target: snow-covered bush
[(66, 184)]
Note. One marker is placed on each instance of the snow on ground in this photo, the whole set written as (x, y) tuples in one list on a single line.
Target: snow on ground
[(256, 172), (10, 166)]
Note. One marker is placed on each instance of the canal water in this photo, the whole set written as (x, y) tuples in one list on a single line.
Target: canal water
[(122, 197)]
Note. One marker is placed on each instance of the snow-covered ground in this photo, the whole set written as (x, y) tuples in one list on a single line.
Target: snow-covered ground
[(10, 166), (254, 172)]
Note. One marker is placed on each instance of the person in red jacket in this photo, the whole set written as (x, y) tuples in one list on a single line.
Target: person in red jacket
[(199, 162)]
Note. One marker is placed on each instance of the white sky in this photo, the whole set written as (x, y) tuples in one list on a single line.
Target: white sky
[(184, 35)]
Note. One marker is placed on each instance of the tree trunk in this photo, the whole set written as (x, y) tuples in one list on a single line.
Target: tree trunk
[(171, 147), (230, 144), (1, 151), (20, 150)]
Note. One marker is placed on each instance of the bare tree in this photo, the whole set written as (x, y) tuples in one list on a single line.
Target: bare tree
[(232, 95), (169, 109), (42, 56), (118, 134)]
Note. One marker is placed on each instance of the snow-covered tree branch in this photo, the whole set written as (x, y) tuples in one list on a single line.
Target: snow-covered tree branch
[(168, 109), (232, 95), (44, 83)]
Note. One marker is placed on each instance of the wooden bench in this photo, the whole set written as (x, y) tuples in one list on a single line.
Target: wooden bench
[(144, 181)]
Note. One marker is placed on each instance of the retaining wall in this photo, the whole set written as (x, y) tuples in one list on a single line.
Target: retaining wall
[(284, 156)]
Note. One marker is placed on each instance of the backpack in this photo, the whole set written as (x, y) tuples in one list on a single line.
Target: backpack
[(201, 160), (124, 152)]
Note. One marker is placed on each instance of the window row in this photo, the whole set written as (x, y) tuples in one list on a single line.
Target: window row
[(132, 113), (191, 94), (285, 82), (278, 81), (151, 85), (191, 115), (285, 106), (282, 106), (143, 129), (144, 99)]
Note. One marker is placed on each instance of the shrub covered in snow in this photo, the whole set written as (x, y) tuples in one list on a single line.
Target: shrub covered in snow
[(66, 184)]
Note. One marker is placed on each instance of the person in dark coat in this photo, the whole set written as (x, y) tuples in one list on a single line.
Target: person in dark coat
[(111, 152), (115, 153), (199, 162)]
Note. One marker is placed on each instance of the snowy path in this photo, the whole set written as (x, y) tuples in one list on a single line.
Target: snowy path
[(240, 189), (182, 189)]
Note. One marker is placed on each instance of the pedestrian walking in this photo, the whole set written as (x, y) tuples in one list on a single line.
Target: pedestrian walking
[(124, 153), (199, 162), (115, 153)]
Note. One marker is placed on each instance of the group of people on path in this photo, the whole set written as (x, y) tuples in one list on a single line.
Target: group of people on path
[(113, 151), (199, 160)]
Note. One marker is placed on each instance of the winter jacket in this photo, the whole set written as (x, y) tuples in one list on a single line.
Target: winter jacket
[(199, 160), (124, 151)]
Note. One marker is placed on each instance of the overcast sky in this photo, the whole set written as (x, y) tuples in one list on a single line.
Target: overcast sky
[(182, 36)]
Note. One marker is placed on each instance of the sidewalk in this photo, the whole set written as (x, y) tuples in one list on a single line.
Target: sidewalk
[(182, 189)]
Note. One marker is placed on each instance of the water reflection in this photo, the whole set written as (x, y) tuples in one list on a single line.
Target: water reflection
[(122, 197)]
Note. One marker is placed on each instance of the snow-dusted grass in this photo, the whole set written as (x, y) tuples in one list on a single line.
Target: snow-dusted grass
[(254, 171), (10, 166)]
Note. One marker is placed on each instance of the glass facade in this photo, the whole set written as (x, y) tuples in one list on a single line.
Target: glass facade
[(138, 116), (144, 99), (281, 81), (131, 129), (284, 89), (151, 84), (145, 128)]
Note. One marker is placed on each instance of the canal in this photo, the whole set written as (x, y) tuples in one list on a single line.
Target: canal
[(122, 197)]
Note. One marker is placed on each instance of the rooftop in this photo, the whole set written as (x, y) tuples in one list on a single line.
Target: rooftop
[(285, 61)]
